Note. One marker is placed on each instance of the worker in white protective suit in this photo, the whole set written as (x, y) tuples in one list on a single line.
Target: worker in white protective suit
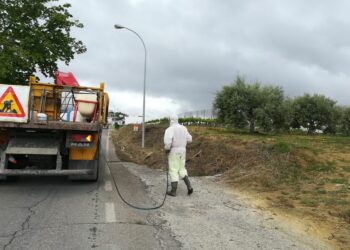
[(176, 138)]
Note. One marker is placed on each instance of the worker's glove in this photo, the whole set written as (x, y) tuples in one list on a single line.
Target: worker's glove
[(167, 151)]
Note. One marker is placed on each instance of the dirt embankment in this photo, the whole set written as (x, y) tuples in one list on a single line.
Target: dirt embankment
[(206, 155), (302, 177)]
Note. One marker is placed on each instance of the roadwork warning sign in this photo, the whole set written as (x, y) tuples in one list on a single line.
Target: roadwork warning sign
[(14, 103)]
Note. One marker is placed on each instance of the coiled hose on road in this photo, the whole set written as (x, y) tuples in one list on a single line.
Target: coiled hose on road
[(131, 205)]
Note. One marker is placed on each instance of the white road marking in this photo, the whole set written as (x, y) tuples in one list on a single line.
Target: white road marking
[(107, 146), (110, 212), (108, 186), (108, 172)]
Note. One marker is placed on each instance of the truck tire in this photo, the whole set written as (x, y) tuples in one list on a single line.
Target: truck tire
[(9, 178)]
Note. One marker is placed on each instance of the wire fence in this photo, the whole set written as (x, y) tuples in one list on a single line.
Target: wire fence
[(204, 117), (204, 114)]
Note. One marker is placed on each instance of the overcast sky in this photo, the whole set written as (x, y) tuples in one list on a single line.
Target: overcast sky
[(197, 46)]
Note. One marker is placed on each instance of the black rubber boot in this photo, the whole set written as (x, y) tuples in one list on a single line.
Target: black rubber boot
[(173, 189), (188, 184)]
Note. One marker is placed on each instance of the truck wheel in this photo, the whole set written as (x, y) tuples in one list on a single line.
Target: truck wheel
[(9, 178)]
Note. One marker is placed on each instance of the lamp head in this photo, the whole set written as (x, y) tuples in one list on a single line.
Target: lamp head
[(118, 27)]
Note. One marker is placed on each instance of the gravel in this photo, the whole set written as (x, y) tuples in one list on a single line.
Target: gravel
[(212, 218)]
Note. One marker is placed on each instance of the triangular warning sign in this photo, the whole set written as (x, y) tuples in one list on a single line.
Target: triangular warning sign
[(10, 106)]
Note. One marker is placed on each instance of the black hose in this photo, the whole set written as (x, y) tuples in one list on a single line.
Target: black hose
[(133, 206)]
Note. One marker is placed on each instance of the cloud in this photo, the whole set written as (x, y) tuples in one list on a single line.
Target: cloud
[(133, 102), (195, 47)]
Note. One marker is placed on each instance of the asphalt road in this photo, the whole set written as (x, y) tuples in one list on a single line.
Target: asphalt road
[(55, 213)]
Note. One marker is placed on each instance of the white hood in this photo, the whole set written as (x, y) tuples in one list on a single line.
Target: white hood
[(176, 136), (173, 119)]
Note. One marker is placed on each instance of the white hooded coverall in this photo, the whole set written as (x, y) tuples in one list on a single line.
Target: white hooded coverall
[(176, 138)]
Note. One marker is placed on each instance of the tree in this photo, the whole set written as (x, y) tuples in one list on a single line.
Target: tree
[(118, 117), (287, 114), (314, 112), (35, 35), (225, 103), (242, 104), (345, 120), (271, 113), (333, 125)]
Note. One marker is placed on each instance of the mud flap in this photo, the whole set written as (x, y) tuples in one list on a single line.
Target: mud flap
[(2, 164), (92, 165)]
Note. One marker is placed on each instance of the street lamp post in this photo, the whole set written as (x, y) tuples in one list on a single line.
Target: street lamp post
[(117, 26)]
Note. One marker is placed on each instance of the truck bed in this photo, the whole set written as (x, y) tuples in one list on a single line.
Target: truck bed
[(53, 125)]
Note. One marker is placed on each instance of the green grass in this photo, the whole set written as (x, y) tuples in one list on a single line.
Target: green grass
[(338, 181), (309, 202), (292, 174), (335, 201), (343, 190), (302, 144), (297, 188), (346, 168), (320, 191), (314, 143), (322, 181), (321, 167), (282, 147)]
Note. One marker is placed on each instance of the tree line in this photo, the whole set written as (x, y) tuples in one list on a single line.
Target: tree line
[(211, 122), (265, 107)]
